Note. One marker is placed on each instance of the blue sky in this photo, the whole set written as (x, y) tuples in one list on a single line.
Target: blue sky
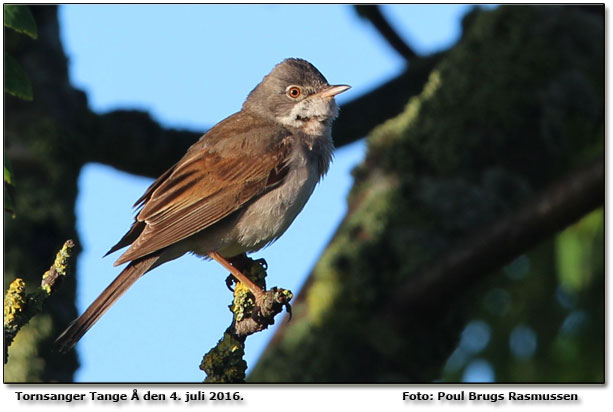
[(191, 66)]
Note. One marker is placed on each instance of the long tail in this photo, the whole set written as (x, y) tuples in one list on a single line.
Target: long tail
[(81, 325)]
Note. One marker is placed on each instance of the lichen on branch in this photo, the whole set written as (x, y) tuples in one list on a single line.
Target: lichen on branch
[(224, 363), (20, 307)]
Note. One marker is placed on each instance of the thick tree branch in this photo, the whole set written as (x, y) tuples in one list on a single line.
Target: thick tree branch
[(482, 254), (358, 117), (132, 141)]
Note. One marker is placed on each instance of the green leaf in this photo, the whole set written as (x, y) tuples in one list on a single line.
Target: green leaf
[(19, 18), (575, 251), (15, 80), (8, 172)]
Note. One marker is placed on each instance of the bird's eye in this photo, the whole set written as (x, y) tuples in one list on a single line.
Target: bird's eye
[(294, 92)]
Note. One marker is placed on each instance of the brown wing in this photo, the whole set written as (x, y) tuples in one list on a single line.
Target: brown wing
[(138, 227), (200, 190)]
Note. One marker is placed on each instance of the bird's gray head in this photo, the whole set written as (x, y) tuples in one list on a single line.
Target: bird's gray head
[(296, 95)]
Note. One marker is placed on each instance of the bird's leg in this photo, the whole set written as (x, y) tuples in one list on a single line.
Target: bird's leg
[(236, 272), (253, 269), (241, 263)]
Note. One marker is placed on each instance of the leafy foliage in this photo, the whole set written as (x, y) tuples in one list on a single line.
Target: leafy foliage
[(16, 81), (20, 19), (541, 319)]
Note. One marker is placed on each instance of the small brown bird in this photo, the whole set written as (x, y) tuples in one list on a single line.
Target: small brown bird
[(236, 190)]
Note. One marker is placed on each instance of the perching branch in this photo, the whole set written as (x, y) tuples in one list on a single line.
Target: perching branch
[(482, 254), (20, 307), (224, 363)]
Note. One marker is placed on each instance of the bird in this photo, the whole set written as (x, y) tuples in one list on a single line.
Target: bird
[(236, 190)]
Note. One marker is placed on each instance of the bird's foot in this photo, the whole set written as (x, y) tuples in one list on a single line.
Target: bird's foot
[(262, 263), (230, 281), (245, 270)]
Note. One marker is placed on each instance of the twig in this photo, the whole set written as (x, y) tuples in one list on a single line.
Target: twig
[(373, 13), (224, 363), (20, 307)]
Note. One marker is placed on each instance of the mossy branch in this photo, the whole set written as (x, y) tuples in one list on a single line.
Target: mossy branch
[(224, 363), (480, 254), (20, 307)]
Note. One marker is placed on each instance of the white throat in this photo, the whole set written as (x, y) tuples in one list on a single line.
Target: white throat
[(312, 115)]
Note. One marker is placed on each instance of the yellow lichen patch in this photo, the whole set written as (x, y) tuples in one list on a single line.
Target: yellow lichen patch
[(59, 269), (46, 288), (14, 301), (61, 259), (287, 295), (243, 301)]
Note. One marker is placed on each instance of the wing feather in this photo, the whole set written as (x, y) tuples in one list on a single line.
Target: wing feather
[(200, 190)]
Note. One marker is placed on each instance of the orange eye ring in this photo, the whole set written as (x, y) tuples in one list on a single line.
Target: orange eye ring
[(294, 92)]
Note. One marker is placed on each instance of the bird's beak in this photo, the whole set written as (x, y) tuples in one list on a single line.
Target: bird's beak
[(333, 90)]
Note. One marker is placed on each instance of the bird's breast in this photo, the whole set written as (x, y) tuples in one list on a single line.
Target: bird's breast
[(268, 217)]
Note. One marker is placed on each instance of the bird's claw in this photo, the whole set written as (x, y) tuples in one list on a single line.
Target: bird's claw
[(230, 280), (288, 308), (262, 262)]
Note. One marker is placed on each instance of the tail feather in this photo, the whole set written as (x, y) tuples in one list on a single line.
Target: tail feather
[(81, 325)]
